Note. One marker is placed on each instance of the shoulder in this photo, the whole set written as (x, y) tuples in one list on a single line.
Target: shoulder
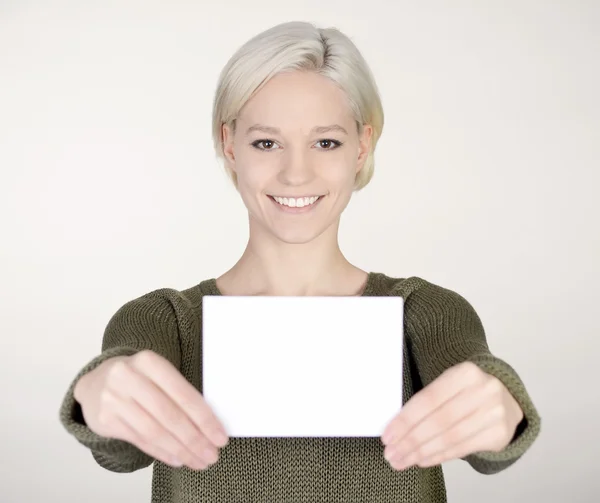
[(425, 299), (436, 317), (165, 303), (413, 286)]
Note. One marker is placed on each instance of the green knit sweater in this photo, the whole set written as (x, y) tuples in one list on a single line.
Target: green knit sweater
[(441, 330)]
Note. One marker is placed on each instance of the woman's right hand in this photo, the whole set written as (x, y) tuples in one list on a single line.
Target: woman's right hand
[(144, 400)]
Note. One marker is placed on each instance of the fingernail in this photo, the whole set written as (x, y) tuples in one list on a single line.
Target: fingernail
[(405, 461), (176, 462), (209, 456), (221, 438), (389, 454)]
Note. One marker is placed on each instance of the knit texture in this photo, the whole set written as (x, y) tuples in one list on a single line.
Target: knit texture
[(441, 330)]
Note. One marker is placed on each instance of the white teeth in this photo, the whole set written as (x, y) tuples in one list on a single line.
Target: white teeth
[(296, 202)]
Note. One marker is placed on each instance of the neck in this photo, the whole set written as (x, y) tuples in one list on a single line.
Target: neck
[(270, 266)]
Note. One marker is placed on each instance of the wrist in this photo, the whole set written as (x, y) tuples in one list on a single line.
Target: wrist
[(83, 383), (80, 385)]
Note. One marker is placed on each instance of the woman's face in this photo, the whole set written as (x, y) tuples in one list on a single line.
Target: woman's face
[(296, 152)]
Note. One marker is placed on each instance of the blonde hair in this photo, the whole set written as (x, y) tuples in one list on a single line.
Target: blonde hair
[(292, 46)]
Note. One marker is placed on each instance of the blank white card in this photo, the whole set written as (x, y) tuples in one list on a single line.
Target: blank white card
[(302, 366)]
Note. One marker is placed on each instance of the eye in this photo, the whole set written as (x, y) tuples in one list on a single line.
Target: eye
[(267, 144), (329, 142), (326, 144)]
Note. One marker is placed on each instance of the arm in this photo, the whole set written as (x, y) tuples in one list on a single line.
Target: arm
[(148, 322), (444, 330)]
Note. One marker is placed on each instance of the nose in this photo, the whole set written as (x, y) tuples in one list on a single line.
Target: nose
[(296, 168)]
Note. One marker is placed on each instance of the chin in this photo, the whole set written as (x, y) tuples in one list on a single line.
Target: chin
[(297, 236)]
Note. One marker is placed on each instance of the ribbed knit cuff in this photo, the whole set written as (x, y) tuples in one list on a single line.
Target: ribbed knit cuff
[(492, 462), (72, 419)]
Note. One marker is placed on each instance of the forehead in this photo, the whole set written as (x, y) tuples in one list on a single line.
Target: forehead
[(297, 100)]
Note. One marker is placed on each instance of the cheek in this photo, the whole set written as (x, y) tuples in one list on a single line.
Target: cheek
[(254, 172), (253, 176), (338, 172)]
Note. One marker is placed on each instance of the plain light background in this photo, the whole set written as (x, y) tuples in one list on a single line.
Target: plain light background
[(486, 182)]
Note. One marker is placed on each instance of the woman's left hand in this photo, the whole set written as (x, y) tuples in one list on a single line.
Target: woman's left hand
[(463, 411)]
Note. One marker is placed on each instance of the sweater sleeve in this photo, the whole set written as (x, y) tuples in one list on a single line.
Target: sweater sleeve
[(443, 329), (148, 322)]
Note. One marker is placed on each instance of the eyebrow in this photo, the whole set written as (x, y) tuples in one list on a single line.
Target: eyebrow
[(316, 129)]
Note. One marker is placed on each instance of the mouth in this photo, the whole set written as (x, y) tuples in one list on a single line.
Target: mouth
[(296, 204)]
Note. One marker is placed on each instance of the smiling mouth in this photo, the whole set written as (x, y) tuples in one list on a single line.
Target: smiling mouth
[(296, 204)]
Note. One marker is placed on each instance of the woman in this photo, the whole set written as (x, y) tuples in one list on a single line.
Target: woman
[(296, 120)]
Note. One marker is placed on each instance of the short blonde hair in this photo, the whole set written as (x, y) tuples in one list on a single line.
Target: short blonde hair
[(292, 46)]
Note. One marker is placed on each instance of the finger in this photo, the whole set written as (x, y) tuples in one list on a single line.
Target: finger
[(479, 424), (125, 432), (471, 445), (148, 432), (183, 393), (157, 405), (442, 389), (437, 423), (150, 448)]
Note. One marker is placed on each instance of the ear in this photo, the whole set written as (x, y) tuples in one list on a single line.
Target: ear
[(364, 146), (228, 150)]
